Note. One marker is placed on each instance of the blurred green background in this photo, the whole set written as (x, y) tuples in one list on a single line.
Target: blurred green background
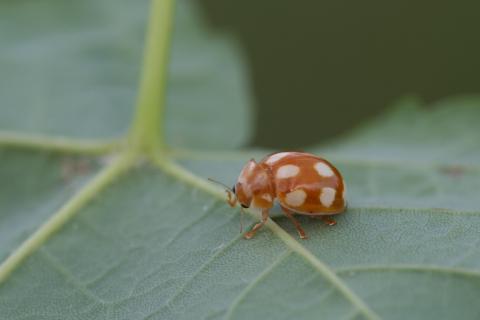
[(320, 68)]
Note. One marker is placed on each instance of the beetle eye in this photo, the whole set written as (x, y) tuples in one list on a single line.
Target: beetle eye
[(233, 188), (243, 206)]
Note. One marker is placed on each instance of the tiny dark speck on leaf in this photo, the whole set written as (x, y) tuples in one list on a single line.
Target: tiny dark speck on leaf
[(453, 171), (72, 167)]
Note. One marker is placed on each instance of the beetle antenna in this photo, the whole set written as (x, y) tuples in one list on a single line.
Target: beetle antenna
[(232, 203), (232, 197), (222, 184)]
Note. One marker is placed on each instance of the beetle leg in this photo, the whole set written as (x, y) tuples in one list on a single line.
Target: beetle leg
[(252, 232), (327, 219), (295, 222)]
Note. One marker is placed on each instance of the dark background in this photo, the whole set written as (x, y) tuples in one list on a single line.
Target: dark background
[(320, 68)]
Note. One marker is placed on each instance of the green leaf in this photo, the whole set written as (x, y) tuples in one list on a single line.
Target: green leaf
[(69, 70), (129, 229), (72, 71)]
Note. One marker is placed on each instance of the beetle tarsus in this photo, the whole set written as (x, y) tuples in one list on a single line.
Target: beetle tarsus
[(295, 222), (329, 221)]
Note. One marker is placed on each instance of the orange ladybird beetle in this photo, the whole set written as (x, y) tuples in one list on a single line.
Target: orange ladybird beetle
[(303, 183)]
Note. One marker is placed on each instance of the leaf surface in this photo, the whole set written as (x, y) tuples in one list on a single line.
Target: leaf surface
[(33, 185)]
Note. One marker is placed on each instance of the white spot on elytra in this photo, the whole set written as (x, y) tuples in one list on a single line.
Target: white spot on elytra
[(295, 198), (277, 156), (327, 196), (323, 169), (287, 171), (267, 197)]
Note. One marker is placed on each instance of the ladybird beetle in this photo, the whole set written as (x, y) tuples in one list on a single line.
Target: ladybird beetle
[(303, 183)]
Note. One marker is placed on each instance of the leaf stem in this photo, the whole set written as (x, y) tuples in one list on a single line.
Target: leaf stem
[(147, 134)]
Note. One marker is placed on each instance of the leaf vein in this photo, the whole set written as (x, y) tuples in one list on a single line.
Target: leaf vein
[(410, 268), (56, 265), (60, 144), (64, 214), (255, 282), (194, 275)]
